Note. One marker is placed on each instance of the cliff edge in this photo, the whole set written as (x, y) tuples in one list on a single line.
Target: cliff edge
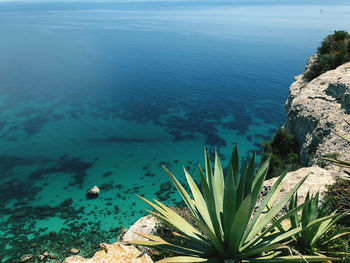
[(317, 109)]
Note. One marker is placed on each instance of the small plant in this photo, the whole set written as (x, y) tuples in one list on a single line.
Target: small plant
[(229, 226), (320, 236), (283, 151)]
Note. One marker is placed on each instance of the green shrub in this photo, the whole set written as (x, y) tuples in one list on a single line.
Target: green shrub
[(284, 151), (229, 225), (320, 237), (338, 196), (333, 52)]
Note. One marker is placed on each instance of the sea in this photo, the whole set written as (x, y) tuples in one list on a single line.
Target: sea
[(105, 93)]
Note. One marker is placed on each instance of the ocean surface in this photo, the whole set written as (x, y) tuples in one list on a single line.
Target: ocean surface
[(106, 93)]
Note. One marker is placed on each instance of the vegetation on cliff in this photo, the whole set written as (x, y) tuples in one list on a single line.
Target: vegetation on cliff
[(333, 52), (228, 225), (284, 151)]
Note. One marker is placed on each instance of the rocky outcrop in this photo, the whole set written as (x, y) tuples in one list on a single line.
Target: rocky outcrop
[(115, 253), (93, 192), (318, 180), (317, 109), (145, 225)]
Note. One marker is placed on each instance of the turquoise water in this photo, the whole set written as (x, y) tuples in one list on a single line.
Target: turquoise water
[(104, 94)]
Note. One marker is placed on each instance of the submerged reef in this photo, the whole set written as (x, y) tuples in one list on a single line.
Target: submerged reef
[(65, 165)]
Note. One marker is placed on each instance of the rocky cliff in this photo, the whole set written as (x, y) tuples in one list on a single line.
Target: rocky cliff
[(317, 109)]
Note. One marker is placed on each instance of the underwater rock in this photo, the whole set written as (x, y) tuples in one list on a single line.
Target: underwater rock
[(93, 192), (116, 252), (26, 258), (166, 186), (107, 174)]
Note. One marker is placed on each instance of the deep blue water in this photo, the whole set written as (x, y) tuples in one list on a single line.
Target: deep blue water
[(103, 94)]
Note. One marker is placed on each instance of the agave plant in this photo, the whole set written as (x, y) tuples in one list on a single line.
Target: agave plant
[(319, 235), (228, 226)]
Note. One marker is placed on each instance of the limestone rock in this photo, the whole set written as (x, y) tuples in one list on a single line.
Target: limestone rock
[(145, 225), (317, 109), (115, 253), (93, 192), (318, 179)]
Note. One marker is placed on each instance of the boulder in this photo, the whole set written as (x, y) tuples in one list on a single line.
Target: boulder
[(115, 253), (93, 192), (145, 225)]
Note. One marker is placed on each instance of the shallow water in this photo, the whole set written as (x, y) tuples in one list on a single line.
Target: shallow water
[(104, 94)]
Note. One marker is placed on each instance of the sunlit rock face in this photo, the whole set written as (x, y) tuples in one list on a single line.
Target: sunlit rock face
[(317, 181), (317, 109), (145, 225), (115, 253)]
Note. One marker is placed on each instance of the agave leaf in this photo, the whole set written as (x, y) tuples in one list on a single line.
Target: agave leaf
[(208, 169), (260, 249), (239, 224), (229, 200), (241, 184), (337, 162), (314, 207), (299, 258), (320, 230), (274, 224), (185, 196), (199, 200), (218, 186), (340, 216), (209, 200), (261, 173), (217, 244), (274, 210), (181, 259), (250, 175), (305, 215), (342, 136), (177, 219), (336, 234), (185, 229), (294, 219), (262, 170), (167, 246), (278, 237), (257, 186), (195, 250)]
